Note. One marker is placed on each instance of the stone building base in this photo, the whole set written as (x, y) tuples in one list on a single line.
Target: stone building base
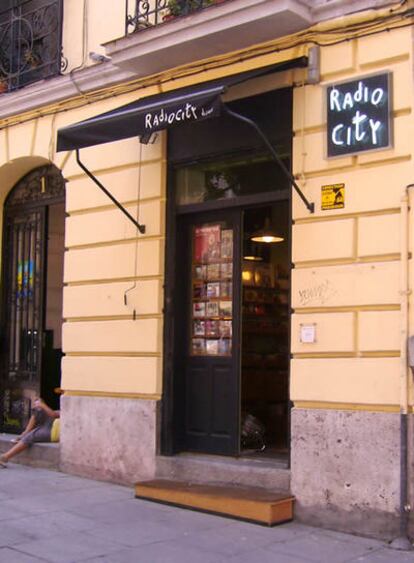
[(345, 470), (344, 464), (111, 439)]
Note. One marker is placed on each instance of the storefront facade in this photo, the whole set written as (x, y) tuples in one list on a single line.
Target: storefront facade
[(173, 337)]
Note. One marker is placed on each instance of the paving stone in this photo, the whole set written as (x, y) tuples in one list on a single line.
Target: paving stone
[(43, 486), (365, 542), (50, 502), (232, 539), (8, 555), (263, 555), (10, 513), (120, 511), (385, 555), (141, 532), (47, 525), (11, 535), (320, 548), (164, 552), (272, 534), (69, 548)]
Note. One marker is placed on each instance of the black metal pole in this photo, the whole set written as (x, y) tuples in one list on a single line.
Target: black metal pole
[(309, 205), (140, 227), (404, 475), (402, 542)]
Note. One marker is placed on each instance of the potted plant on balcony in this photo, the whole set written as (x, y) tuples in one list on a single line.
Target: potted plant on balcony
[(176, 8), (4, 85)]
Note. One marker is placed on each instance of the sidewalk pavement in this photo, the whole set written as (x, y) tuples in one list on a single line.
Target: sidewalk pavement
[(59, 518)]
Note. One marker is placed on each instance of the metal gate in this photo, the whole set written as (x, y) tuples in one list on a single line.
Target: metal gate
[(23, 281)]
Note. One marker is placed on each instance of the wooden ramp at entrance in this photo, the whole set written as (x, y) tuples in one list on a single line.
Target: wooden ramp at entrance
[(253, 504)]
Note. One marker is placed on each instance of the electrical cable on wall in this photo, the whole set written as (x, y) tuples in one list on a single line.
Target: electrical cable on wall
[(134, 285), (52, 140), (85, 40), (303, 143)]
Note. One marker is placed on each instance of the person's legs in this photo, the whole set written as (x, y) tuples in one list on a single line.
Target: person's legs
[(12, 452), (39, 434)]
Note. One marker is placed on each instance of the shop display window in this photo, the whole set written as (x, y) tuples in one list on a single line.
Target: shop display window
[(230, 178), (212, 289)]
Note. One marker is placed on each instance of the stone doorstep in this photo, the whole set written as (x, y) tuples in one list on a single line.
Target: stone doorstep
[(44, 455), (221, 470)]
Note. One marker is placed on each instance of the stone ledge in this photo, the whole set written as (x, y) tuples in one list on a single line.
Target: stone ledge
[(44, 455), (219, 470)]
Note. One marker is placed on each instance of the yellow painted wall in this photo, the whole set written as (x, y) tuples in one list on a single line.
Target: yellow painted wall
[(87, 24), (111, 346), (347, 261)]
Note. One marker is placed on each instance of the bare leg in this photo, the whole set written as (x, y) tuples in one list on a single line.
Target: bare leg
[(13, 451)]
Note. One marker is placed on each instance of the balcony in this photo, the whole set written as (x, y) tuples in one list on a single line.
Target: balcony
[(142, 14), (162, 34), (30, 42)]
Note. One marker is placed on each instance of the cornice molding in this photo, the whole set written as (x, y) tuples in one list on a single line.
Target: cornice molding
[(61, 88)]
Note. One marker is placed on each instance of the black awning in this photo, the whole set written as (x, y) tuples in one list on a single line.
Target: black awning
[(161, 111)]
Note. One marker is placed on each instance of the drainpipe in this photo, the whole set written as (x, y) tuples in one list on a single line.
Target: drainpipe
[(402, 542)]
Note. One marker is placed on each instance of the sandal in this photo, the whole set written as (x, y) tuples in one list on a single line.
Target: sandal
[(3, 463)]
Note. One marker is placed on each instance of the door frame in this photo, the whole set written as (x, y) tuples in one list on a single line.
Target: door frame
[(55, 194), (169, 433)]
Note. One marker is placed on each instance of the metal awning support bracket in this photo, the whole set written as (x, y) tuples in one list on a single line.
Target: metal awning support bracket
[(309, 205), (141, 228)]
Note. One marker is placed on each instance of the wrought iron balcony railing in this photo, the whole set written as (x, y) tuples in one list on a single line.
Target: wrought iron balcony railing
[(30, 42), (142, 14)]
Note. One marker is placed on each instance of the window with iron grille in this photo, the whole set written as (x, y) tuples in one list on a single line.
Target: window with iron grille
[(30, 41)]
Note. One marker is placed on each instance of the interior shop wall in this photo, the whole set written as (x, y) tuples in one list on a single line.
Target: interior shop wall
[(347, 261)]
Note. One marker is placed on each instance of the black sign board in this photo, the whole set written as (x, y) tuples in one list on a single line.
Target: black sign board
[(359, 115)]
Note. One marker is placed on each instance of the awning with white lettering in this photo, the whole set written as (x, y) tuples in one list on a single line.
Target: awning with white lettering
[(161, 111), (144, 117)]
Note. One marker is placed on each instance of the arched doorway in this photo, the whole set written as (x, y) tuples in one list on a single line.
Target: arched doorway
[(32, 288)]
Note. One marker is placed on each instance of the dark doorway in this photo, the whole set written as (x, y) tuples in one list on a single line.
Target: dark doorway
[(226, 371), (230, 309), (32, 286), (265, 322), (232, 338)]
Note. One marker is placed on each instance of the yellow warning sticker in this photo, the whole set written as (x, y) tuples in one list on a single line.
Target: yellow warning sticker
[(333, 197)]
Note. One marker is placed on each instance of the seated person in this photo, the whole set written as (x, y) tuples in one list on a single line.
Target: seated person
[(38, 429)]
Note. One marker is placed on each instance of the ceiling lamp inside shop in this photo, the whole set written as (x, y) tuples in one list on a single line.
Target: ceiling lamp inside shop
[(267, 235)]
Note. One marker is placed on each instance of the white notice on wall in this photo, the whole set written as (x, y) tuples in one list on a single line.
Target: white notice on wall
[(308, 333)]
